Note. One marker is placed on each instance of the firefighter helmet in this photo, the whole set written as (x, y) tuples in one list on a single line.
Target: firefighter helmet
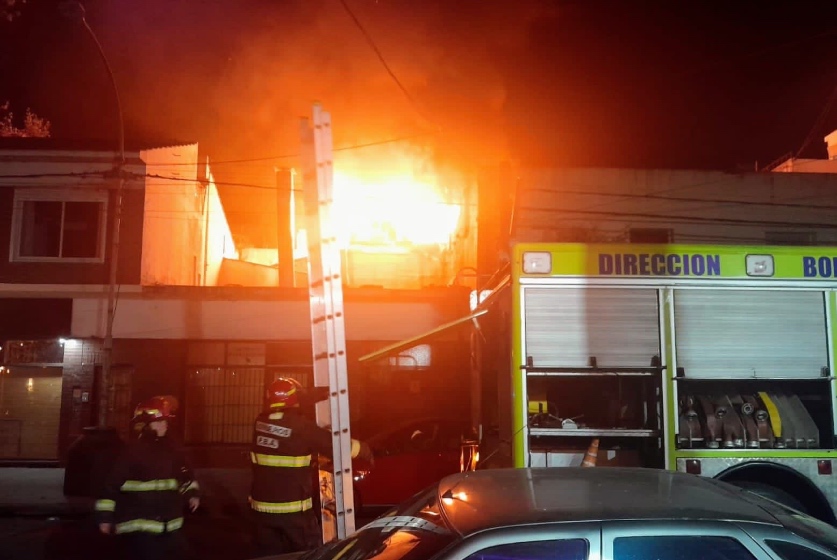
[(155, 408), (284, 393)]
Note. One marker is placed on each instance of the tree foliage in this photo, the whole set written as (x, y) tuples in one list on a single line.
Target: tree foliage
[(33, 125)]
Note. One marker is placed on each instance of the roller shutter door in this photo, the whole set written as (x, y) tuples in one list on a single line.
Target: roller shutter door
[(564, 327), (750, 333)]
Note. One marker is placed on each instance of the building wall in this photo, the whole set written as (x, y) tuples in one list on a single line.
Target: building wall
[(173, 224), (39, 163), (379, 396), (78, 391), (604, 205), (215, 351), (233, 272), (808, 166), (253, 314), (387, 268)]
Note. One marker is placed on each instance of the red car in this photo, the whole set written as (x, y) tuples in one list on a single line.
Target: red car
[(408, 458)]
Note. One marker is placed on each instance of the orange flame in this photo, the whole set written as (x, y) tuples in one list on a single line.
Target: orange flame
[(392, 199)]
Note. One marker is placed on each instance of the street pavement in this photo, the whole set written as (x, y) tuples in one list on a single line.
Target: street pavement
[(37, 522)]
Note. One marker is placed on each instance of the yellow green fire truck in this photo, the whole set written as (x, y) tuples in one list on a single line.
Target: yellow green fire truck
[(714, 360)]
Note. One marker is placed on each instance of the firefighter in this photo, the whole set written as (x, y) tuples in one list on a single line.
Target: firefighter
[(285, 442), (144, 494)]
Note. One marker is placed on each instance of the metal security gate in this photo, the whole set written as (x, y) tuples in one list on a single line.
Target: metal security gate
[(750, 333), (566, 327)]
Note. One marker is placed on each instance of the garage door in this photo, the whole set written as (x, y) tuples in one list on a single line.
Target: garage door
[(748, 333), (564, 327)]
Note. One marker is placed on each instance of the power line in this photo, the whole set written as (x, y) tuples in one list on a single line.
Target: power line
[(683, 219), (671, 190), (691, 199), (380, 56), (624, 218), (576, 215), (217, 183), (295, 155), (620, 196), (82, 175), (380, 142), (791, 156), (589, 210), (820, 120)]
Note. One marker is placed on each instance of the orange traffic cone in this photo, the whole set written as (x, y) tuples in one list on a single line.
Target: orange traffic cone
[(592, 454)]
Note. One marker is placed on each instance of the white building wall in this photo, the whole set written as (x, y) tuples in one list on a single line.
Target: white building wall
[(208, 319), (172, 244)]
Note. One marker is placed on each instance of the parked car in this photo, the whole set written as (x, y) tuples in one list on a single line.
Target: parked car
[(408, 458), (585, 514)]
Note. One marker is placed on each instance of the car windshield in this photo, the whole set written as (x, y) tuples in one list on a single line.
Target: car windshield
[(413, 531)]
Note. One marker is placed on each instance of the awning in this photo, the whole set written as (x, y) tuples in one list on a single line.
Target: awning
[(410, 342)]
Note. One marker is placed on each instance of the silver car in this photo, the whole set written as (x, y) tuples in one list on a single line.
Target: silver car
[(585, 514)]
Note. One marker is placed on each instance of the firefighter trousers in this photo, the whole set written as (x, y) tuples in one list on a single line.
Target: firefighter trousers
[(281, 533), (153, 546)]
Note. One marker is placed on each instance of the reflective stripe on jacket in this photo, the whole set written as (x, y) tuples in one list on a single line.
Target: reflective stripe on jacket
[(284, 444), (147, 487)]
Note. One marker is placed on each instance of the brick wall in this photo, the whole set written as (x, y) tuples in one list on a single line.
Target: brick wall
[(77, 391)]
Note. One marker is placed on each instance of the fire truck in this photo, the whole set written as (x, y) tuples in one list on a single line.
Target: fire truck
[(713, 360)]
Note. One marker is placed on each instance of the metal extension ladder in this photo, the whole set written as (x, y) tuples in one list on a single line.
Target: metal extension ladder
[(328, 333)]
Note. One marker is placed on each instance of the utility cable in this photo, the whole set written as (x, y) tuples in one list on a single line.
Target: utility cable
[(80, 175), (386, 66), (688, 199), (686, 219), (819, 122), (296, 155)]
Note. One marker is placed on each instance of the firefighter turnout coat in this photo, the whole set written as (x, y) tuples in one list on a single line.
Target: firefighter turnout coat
[(147, 487), (284, 444)]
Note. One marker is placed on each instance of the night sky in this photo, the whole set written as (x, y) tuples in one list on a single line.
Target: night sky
[(686, 84)]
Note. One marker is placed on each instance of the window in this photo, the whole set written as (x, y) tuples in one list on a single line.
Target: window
[(58, 225), (569, 549), (412, 358), (791, 551), (679, 548), (650, 235)]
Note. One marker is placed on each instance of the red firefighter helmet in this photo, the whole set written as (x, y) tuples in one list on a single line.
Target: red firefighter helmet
[(284, 393), (156, 408)]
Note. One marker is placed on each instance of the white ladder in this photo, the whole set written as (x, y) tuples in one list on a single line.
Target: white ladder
[(328, 333)]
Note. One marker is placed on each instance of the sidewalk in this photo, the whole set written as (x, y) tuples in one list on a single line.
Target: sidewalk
[(40, 491), (34, 491)]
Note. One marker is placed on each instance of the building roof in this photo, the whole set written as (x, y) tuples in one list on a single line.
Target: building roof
[(504, 497), (85, 145)]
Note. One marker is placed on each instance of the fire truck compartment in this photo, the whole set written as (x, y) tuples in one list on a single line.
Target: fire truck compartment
[(754, 414)]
